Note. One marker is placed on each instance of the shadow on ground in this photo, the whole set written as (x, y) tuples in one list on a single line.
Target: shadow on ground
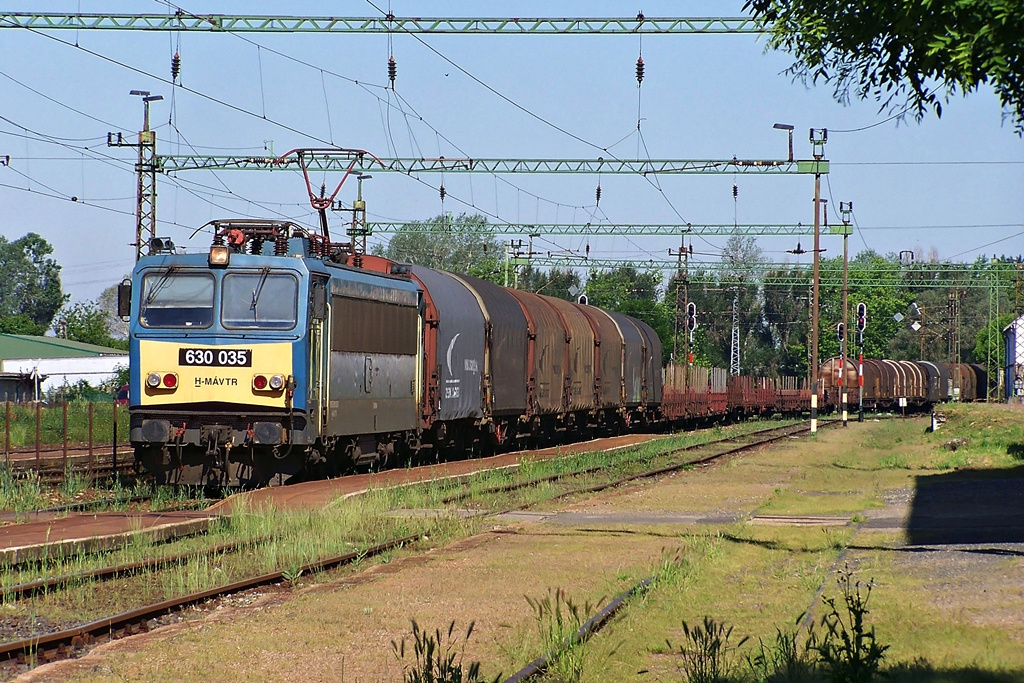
[(968, 506), (923, 672), (917, 672)]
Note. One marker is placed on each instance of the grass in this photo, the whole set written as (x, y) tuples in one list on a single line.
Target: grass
[(51, 423), (757, 579)]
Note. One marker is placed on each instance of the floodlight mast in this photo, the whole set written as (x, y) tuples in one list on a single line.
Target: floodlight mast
[(145, 168)]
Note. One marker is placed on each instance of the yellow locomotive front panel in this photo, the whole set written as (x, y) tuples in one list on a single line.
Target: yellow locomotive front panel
[(241, 373)]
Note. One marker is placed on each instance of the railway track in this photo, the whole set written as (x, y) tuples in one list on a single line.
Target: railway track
[(52, 465), (68, 642)]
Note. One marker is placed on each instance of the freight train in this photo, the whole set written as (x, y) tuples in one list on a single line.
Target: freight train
[(280, 354), (891, 384)]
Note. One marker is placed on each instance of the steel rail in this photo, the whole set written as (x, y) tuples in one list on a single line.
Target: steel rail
[(582, 634), (538, 666), (507, 488), (231, 23), (683, 465), (30, 588), (64, 643)]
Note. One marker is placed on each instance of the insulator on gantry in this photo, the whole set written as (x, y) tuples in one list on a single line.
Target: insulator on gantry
[(392, 70), (175, 67), (639, 71)]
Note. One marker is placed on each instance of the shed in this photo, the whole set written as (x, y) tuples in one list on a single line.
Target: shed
[(48, 363)]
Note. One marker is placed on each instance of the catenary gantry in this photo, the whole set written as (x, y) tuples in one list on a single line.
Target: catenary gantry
[(184, 21)]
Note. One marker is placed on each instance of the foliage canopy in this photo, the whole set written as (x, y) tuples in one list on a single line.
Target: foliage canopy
[(31, 293), (903, 54)]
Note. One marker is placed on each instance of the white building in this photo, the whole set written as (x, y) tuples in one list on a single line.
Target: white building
[(51, 363)]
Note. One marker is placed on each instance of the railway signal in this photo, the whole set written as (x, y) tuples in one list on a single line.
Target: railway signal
[(862, 322), (691, 317), (841, 332)]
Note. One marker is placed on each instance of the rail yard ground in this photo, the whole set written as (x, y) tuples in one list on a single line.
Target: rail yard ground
[(935, 520)]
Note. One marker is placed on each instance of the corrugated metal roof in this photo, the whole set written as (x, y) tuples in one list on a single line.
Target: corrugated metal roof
[(25, 346)]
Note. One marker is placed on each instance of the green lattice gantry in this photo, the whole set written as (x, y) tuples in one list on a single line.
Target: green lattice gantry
[(778, 274), (172, 163), (214, 23)]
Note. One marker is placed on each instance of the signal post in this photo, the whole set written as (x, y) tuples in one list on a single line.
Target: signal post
[(862, 322)]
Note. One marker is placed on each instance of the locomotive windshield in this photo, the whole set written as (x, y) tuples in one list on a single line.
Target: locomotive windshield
[(173, 298), (259, 300)]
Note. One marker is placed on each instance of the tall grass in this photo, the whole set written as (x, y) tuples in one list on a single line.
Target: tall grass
[(51, 423)]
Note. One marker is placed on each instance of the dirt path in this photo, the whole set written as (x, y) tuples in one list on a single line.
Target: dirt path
[(920, 540)]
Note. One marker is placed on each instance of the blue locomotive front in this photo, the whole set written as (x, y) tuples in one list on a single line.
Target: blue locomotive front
[(264, 359)]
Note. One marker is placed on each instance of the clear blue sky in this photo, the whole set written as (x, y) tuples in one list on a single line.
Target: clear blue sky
[(952, 184)]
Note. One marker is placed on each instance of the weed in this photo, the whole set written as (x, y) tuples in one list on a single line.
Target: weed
[(894, 462), (20, 492), (559, 620), (672, 568), (849, 651), (291, 574), (707, 656), (438, 658), (783, 661), (833, 539), (75, 483)]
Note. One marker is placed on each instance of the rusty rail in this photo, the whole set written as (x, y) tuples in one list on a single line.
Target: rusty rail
[(64, 643), (592, 626), (26, 590)]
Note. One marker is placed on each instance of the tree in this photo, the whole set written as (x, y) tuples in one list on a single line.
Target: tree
[(635, 293), (554, 282), (85, 322), (918, 53), (30, 295), (787, 304), (107, 305), (462, 244)]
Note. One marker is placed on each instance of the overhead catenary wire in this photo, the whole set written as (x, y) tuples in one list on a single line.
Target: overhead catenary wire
[(385, 114)]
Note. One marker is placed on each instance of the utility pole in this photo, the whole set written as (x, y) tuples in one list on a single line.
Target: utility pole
[(682, 261), (734, 346), (358, 230), (954, 341), (514, 249), (818, 151), (145, 169)]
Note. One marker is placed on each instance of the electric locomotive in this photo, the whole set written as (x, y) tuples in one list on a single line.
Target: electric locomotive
[(259, 358)]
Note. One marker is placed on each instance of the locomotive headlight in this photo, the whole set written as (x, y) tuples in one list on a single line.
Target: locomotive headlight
[(259, 382), (219, 255), (153, 380), (277, 382), (170, 380)]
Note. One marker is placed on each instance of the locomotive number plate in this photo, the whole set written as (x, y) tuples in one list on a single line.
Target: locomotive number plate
[(216, 358)]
